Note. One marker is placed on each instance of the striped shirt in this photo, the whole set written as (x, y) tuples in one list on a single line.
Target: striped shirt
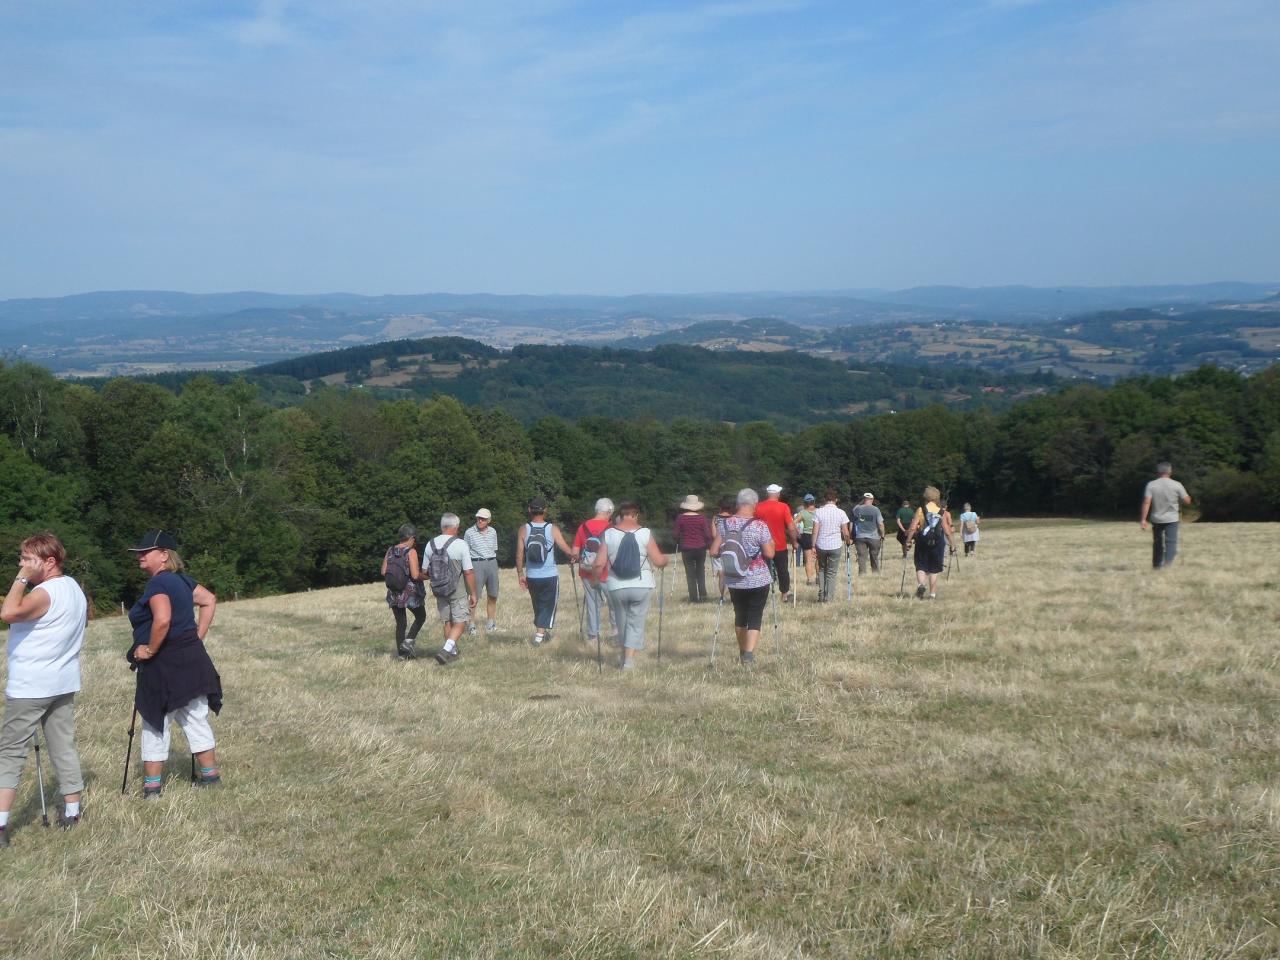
[(483, 544)]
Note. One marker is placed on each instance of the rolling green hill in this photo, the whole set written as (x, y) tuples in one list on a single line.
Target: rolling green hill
[(783, 387)]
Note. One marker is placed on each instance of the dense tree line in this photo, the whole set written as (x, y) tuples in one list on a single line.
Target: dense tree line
[(267, 498)]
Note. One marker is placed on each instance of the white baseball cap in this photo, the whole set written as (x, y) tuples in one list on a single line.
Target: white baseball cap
[(868, 496), (484, 514), (773, 488)]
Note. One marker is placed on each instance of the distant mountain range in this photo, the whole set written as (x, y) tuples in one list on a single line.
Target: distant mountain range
[(146, 331)]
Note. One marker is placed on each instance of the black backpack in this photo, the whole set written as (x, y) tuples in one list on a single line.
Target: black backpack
[(537, 549), (397, 576), (627, 562), (931, 532)]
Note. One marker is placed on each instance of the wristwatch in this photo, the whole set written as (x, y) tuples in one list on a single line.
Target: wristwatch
[(22, 580)]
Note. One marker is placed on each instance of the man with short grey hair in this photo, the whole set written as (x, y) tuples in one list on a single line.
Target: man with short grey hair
[(453, 607), (1161, 504), (482, 541), (587, 544)]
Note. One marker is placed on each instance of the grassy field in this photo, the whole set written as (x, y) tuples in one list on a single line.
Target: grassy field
[(1065, 755)]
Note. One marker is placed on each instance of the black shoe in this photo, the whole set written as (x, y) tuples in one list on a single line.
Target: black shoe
[(747, 658), (152, 793), (446, 657), (4, 836), (920, 592), (65, 822), (213, 781)]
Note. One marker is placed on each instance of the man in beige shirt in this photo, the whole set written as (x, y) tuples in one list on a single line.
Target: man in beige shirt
[(1161, 505)]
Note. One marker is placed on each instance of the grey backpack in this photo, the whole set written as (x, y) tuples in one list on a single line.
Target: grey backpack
[(441, 573)]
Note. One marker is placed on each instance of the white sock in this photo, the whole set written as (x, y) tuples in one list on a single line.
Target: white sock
[(72, 809), (449, 646), (4, 819)]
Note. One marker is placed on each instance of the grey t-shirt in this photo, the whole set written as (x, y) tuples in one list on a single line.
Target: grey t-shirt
[(866, 522), (1166, 494)]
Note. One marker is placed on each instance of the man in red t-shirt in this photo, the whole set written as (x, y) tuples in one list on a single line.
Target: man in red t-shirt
[(777, 517), (592, 591)]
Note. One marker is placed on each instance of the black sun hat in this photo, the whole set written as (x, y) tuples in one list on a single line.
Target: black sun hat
[(154, 540)]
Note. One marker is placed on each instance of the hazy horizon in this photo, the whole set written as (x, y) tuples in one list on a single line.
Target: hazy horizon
[(722, 146)]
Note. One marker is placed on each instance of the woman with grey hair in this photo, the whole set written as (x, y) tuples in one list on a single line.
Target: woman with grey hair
[(969, 522), (587, 547), (744, 545), (403, 577)]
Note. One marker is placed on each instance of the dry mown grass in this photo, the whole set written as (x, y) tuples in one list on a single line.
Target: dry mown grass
[(1065, 756)]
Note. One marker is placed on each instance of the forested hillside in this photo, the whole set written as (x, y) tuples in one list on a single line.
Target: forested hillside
[(787, 388), (280, 498)]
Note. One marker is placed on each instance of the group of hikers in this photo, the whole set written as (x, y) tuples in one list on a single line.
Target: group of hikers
[(748, 541)]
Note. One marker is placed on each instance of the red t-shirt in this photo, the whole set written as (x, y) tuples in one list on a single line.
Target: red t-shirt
[(776, 515), (592, 528)]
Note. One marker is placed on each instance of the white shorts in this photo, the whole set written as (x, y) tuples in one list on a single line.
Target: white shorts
[(194, 721)]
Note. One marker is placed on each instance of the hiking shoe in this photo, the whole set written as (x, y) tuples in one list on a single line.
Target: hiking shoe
[(446, 657), (152, 793), (405, 653), (920, 592), (628, 665), (747, 658), (212, 781), (4, 836), (933, 596), (492, 627), (538, 639), (65, 822), (471, 629)]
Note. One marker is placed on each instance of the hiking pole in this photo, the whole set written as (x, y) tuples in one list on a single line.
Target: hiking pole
[(716, 633), (662, 582), (44, 813), (902, 587), (773, 602), (573, 583), (128, 752), (848, 576)]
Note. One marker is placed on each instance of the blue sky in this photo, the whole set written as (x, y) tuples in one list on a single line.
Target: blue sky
[(387, 146)]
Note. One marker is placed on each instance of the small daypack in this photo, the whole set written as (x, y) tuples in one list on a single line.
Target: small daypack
[(931, 534), (734, 559), (971, 526), (537, 549), (590, 551), (627, 561), (441, 573), (397, 575)]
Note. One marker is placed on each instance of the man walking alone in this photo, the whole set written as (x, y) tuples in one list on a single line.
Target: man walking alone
[(1162, 504)]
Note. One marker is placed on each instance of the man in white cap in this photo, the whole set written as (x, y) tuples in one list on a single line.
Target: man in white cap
[(777, 517), (482, 540), (868, 533)]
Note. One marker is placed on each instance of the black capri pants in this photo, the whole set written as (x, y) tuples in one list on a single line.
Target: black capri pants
[(748, 605)]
